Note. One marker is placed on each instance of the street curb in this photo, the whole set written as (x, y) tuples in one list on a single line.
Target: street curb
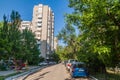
[(27, 73), (93, 78), (35, 71), (21, 74), (32, 72)]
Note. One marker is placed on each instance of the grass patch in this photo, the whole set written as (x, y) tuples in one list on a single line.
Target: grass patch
[(2, 77), (13, 74), (107, 76)]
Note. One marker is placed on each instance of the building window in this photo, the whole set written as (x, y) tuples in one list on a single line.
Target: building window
[(39, 26), (39, 17), (40, 10), (39, 21)]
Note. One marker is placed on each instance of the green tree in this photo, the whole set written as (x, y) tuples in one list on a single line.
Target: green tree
[(30, 48), (54, 57), (16, 44), (1, 24), (99, 26), (68, 36), (98, 22), (14, 35), (4, 43), (61, 53)]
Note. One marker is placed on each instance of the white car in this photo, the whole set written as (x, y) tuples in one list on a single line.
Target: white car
[(43, 63), (69, 63), (52, 62)]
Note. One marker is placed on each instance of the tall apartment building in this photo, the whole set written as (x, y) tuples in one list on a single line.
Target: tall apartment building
[(55, 43), (43, 27), (25, 25)]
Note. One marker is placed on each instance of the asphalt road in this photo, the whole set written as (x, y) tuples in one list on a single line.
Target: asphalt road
[(55, 72)]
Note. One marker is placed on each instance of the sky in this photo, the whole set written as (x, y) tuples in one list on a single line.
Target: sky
[(25, 9)]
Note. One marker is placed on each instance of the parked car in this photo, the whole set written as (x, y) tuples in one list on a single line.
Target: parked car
[(44, 63), (69, 63), (65, 62), (78, 69), (52, 62)]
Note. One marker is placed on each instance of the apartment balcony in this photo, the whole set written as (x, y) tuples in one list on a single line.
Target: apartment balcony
[(39, 20), (39, 24)]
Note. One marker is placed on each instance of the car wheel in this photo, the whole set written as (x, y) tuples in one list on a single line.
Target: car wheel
[(72, 75)]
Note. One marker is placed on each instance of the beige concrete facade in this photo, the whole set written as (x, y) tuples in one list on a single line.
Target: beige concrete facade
[(43, 27), (55, 43), (25, 25)]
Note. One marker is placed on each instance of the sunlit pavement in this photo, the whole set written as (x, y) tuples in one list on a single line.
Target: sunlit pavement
[(55, 72), (24, 73)]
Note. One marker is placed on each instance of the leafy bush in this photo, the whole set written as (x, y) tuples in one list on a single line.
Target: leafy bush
[(2, 67)]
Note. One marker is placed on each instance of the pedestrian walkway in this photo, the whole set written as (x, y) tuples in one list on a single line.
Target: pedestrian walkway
[(21, 76), (5, 73), (54, 72)]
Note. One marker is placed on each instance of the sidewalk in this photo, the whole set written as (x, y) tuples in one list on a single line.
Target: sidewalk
[(5, 73), (22, 75)]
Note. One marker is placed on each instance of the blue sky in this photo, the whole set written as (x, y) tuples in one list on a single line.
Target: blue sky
[(25, 9)]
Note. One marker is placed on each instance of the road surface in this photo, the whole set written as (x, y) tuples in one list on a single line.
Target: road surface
[(55, 72)]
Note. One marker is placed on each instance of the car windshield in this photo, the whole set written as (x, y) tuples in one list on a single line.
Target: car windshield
[(78, 66), (73, 61)]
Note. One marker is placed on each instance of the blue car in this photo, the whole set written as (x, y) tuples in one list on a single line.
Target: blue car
[(78, 69)]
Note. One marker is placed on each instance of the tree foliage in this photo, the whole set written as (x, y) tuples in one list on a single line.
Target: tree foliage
[(30, 47), (99, 24), (16, 44)]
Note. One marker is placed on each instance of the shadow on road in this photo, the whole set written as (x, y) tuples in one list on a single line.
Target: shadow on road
[(44, 73), (78, 79), (69, 79)]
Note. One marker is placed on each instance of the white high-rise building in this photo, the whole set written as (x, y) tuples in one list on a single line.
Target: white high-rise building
[(55, 43), (25, 25), (43, 27)]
